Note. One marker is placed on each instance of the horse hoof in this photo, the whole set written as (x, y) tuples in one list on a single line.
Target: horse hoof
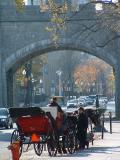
[(59, 151), (64, 151)]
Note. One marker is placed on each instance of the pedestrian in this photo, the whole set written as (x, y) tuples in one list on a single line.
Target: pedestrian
[(97, 101), (82, 126)]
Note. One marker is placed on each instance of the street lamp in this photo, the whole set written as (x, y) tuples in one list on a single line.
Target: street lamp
[(59, 73), (81, 88), (41, 86), (53, 88), (33, 90)]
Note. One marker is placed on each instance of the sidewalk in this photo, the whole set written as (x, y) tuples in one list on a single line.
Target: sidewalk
[(102, 149)]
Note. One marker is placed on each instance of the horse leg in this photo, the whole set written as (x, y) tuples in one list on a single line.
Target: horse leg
[(63, 145)]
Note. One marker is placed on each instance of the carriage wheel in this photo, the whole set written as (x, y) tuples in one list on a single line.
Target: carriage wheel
[(16, 137), (38, 148), (52, 144), (71, 142)]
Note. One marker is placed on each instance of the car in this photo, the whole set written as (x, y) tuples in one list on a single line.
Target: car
[(103, 99), (73, 103), (89, 101), (111, 106), (82, 102), (5, 119)]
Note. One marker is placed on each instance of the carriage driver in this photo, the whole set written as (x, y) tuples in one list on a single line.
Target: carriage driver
[(60, 122), (54, 103)]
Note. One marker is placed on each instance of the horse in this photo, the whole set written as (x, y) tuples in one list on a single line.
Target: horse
[(66, 129), (71, 125)]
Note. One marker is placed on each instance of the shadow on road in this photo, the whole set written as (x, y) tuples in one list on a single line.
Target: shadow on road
[(87, 152)]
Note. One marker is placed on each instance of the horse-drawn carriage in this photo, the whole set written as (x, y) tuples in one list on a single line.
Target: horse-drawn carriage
[(38, 127), (42, 126)]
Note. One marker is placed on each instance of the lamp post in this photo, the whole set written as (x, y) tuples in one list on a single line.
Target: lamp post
[(93, 87), (41, 86), (53, 88), (81, 88), (68, 89), (59, 73), (28, 84), (33, 90)]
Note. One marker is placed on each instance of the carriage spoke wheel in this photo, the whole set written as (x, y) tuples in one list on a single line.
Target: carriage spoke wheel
[(38, 148), (16, 137), (71, 142), (52, 144)]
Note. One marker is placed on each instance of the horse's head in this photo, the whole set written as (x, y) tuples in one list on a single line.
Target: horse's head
[(93, 115)]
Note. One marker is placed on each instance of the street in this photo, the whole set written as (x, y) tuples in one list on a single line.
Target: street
[(5, 135)]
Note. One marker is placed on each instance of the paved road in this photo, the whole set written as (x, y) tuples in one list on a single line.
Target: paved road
[(4, 142)]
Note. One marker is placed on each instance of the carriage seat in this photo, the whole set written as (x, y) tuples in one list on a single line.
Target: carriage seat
[(53, 111)]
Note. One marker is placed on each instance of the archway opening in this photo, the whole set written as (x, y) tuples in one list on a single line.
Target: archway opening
[(66, 73)]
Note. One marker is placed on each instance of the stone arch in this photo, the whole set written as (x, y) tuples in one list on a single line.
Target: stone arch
[(41, 47), (45, 46)]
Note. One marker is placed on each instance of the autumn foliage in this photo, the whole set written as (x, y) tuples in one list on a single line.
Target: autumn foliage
[(92, 72)]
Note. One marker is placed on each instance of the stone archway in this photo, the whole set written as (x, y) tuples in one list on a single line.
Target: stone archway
[(41, 47), (45, 46)]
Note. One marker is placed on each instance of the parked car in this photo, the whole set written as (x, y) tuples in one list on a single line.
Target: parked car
[(82, 102), (89, 101), (72, 103), (111, 106), (103, 99), (5, 119)]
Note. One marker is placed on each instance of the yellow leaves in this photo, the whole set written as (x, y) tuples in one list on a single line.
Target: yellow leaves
[(64, 8), (20, 4), (55, 37), (86, 74), (49, 29), (58, 20), (89, 72)]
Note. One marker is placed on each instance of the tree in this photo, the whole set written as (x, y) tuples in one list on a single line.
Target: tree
[(92, 75), (111, 84), (33, 72), (68, 62)]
